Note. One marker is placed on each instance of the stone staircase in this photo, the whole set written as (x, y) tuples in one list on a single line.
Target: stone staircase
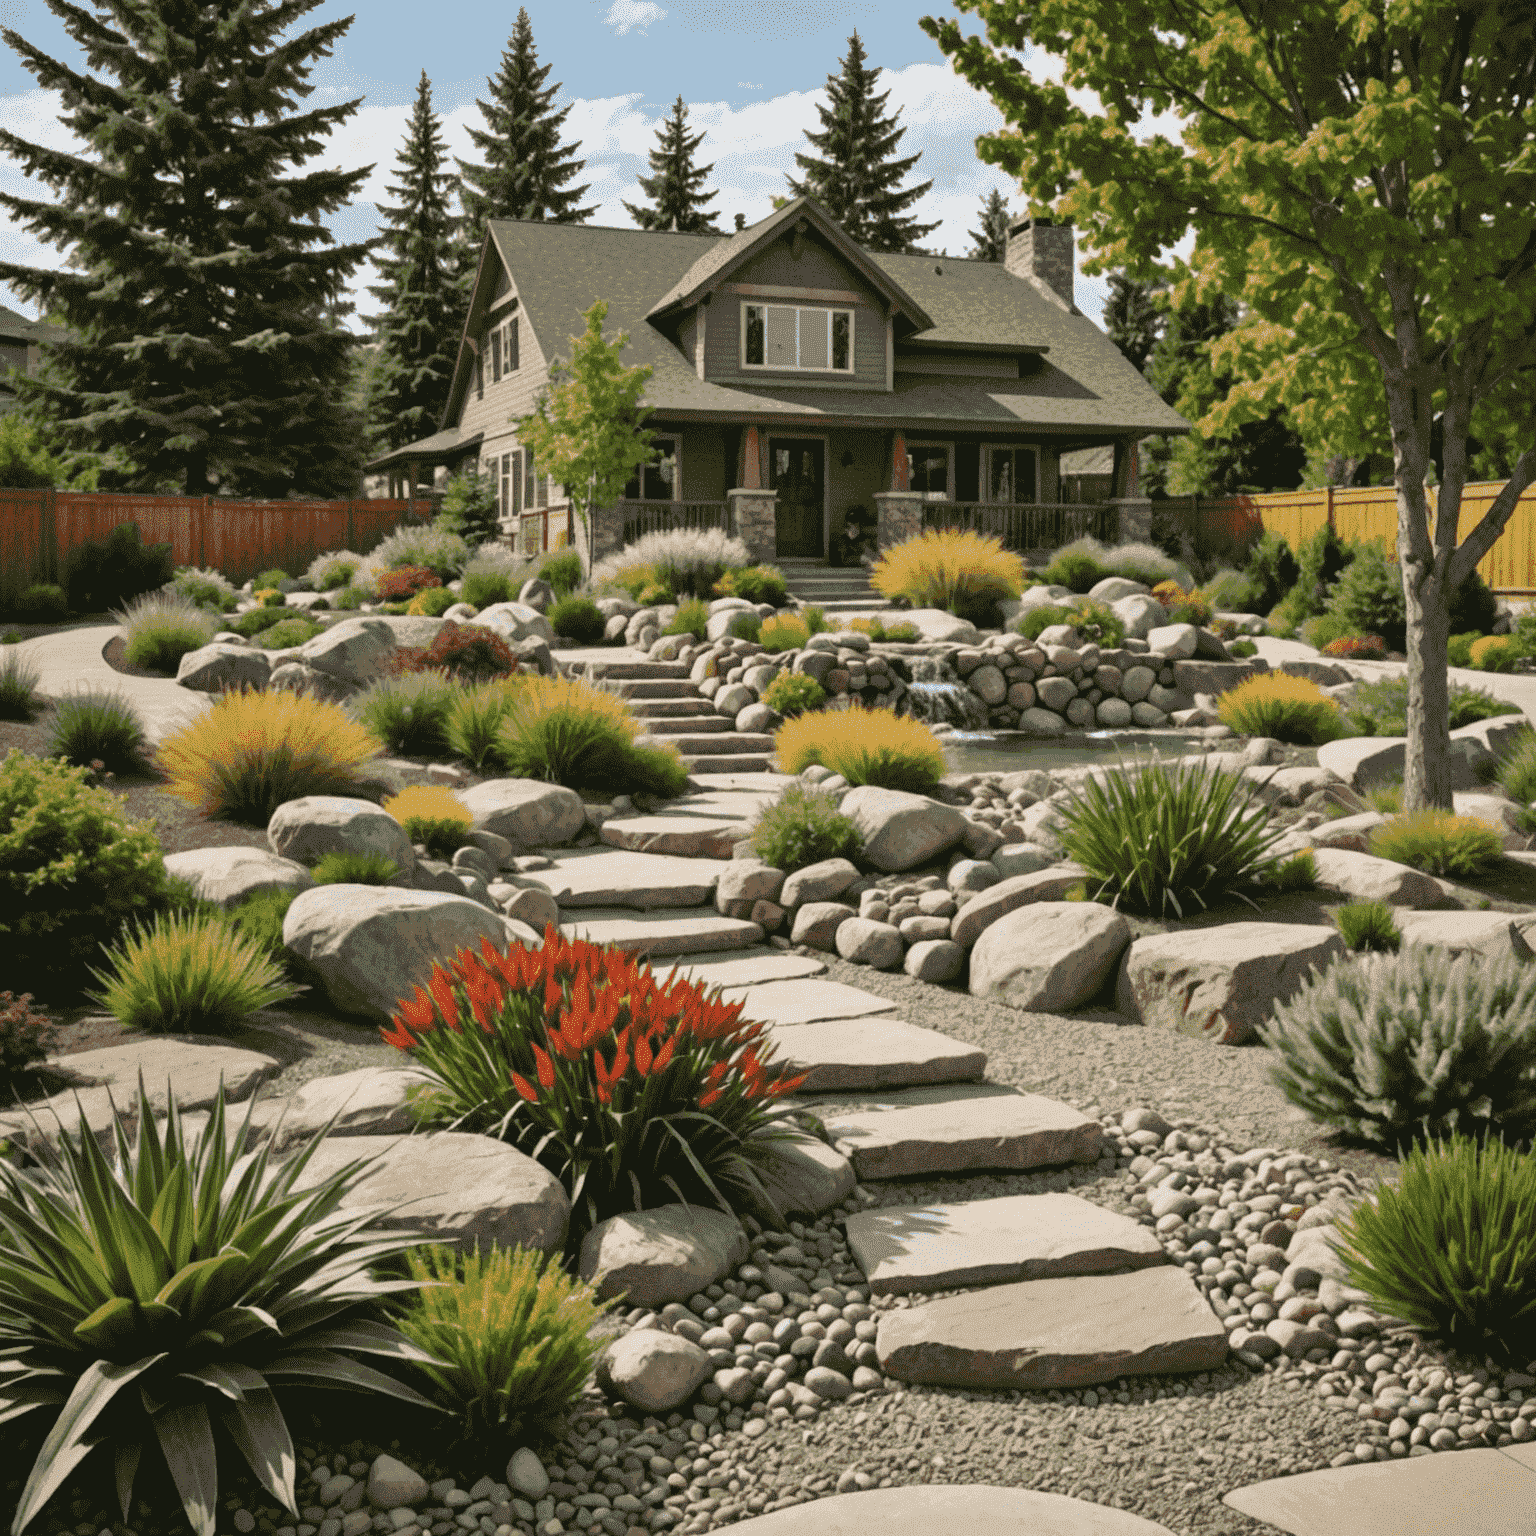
[(672, 711), (833, 589)]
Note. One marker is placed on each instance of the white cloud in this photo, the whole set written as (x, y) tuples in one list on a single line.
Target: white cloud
[(632, 15)]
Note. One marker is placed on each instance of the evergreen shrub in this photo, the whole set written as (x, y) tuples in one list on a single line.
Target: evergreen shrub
[(803, 826), (792, 693), (102, 574), (291, 632), (562, 571), (482, 589), (469, 509), (43, 603), (431, 602), (578, 619)]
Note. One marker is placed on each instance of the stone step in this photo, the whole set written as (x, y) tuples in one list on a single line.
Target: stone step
[(750, 967), (609, 877), (868, 1054), (1039, 1335), (741, 763), (672, 708), (955, 1130), (741, 780), (688, 837), (636, 669), (661, 934), (706, 744), (656, 688), (807, 1002), (904, 1248), (702, 724)]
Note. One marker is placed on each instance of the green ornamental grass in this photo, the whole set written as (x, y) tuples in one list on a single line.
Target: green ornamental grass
[(19, 681), (482, 589), (291, 632), (691, 619), (257, 621), (562, 571), (408, 713), (348, 867), (803, 826), (1517, 768), (1369, 926), (97, 725), (1297, 873), (1439, 843), (259, 918), (472, 723)]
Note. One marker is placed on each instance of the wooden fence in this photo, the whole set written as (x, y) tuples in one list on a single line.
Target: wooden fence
[(1359, 514), (40, 529)]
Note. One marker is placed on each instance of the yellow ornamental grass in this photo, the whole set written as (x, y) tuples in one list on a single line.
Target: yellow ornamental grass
[(866, 746), (255, 750), (1291, 709), (1488, 653), (966, 573), (433, 815)]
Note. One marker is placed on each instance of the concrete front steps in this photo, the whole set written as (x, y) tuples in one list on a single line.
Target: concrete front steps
[(831, 588)]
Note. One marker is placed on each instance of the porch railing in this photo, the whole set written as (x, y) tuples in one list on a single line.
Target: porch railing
[(1024, 525), (642, 517)]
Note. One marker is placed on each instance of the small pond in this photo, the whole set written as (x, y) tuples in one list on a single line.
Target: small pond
[(1013, 751)]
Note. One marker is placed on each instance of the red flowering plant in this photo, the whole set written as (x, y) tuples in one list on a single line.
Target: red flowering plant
[(1357, 647), (633, 1091), (404, 582), (467, 652)]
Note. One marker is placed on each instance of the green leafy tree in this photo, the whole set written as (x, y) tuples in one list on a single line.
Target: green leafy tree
[(587, 429), (855, 173), (990, 242), (676, 185), (527, 170), (203, 294), (420, 288), (1362, 179)]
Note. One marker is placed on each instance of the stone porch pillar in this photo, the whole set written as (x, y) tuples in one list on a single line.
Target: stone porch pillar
[(899, 515), (604, 535), (1132, 521), (754, 516)]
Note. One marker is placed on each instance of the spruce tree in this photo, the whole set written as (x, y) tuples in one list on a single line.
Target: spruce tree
[(990, 242), (204, 296), (854, 173), (527, 169), (676, 185), (420, 288), (1133, 318)]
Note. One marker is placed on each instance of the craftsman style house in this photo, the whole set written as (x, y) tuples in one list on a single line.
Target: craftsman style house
[(802, 384)]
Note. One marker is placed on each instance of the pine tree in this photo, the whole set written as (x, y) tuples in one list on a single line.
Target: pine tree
[(853, 174), (203, 296), (420, 288), (1133, 319), (526, 168), (990, 242), (676, 185)]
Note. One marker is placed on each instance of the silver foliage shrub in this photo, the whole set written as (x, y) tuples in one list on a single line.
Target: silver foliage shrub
[(684, 550), (1398, 1048)]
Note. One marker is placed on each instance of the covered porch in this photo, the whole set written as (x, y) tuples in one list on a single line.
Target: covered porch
[(412, 470)]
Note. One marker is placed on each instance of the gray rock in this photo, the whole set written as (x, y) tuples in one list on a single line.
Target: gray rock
[(901, 831), (517, 621), (1176, 641), (226, 876), (988, 684), (653, 1371), (934, 960), (526, 1474), (865, 942), (745, 882), (1048, 957), (538, 909), (817, 922), (1148, 716), (307, 829), (213, 668), (538, 595), (371, 1101), (1114, 714), (732, 699), (979, 914), (1020, 859), (1136, 684), (393, 1485), (1140, 614), (1317, 1248), (353, 651), (759, 718), (296, 677), (661, 1255), (1038, 722), (872, 1053), (815, 882), (1113, 588), (1055, 693), (803, 1176), (528, 813), (1493, 935), (1364, 877)]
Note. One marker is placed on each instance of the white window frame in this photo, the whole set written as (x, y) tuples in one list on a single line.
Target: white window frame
[(800, 310), (501, 342), (949, 480), (988, 449), (676, 441)]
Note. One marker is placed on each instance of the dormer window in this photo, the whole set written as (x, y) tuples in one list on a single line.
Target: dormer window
[(803, 337)]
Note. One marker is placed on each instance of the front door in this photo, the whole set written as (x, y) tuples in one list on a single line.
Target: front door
[(798, 475)]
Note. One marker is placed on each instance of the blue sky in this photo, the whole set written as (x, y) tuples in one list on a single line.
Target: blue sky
[(750, 73)]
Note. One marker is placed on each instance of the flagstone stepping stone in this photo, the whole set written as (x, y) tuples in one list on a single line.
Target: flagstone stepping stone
[(751, 968), (666, 1254), (724, 804), (904, 1248), (872, 1053), (1042, 1334), (451, 1186), (606, 877), (1494, 935), (923, 1509), (807, 1002), (660, 934), (684, 836), (952, 1130), (771, 785), (1473, 1493)]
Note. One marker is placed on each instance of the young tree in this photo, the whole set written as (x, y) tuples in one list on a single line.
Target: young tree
[(527, 170), (854, 173), (990, 242), (203, 292), (587, 429), (1133, 319), (1362, 180), (420, 288), (676, 185)]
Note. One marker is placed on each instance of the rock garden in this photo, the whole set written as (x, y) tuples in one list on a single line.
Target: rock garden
[(643, 1086)]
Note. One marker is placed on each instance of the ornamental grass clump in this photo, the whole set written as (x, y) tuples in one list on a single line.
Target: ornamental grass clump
[(290, 633), (333, 570), (803, 826), (1369, 926), (19, 682), (152, 1297), (755, 584), (633, 1092), (434, 816), (678, 561), (188, 975), (514, 1337), (408, 713), (431, 603), (1451, 1247), (437, 549), (1290, 709), (253, 750), (1439, 843), (866, 746), (473, 717), (783, 632), (1398, 1048), (1164, 841), (205, 587), (692, 618), (1517, 768), (965, 573), (348, 866), (97, 725)]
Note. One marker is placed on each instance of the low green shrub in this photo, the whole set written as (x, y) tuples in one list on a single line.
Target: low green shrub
[(408, 713), (257, 621), (1381, 708), (104, 574), (803, 826), (348, 599), (270, 578), (291, 632), (1242, 648), (562, 572), (515, 1337), (1096, 622), (1458, 649), (1451, 1247), (783, 632), (43, 603), (332, 571), (348, 867), (1076, 570), (1397, 1048), (792, 693), (1289, 876), (188, 975), (259, 918), (746, 626), (25, 1037), (1290, 709), (578, 619), (756, 584), (1369, 925), (1367, 599), (19, 680), (432, 602), (692, 619), (1439, 843), (879, 632), (1164, 840), (483, 589), (1042, 617), (1227, 591), (1320, 561), (204, 587), (97, 725), (1326, 628), (1271, 572)]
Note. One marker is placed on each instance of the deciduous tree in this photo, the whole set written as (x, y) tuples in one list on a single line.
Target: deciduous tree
[(1362, 178), (676, 184)]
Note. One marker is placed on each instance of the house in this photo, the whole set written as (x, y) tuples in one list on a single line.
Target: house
[(798, 377), (21, 350)]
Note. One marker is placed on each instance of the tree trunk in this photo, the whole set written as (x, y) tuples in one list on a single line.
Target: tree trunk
[(1427, 770)]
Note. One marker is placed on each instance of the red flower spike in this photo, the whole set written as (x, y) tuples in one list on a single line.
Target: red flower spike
[(709, 1098), (664, 1055), (544, 1068), (441, 989), (643, 1056), (524, 1088)]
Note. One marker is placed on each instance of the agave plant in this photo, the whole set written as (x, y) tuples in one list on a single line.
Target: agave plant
[(155, 1295)]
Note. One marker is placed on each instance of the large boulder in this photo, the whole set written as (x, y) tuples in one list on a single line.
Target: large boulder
[(1048, 957), (213, 668), (371, 946), (1221, 983), (1140, 613), (1364, 877), (997, 901), (1175, 641), (1493, 935), (353, 651), (371, 1101), (1215, 677), (307, 829), (1495, 811), (517, 621), (527, 812), (900, 830), (1113, 588), (1366, 761), (653, 1371), (803, 1176), (226, 876), (666, 1254)]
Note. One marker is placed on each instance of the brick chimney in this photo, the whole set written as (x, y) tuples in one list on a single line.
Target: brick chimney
[(1041, 252)]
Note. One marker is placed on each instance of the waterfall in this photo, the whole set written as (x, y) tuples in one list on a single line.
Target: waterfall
[(936, 695)]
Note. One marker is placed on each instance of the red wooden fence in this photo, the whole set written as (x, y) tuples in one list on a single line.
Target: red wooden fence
[(39, 529)]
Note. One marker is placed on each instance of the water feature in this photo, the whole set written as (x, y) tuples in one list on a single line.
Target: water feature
[(1013, 751), (937, 696)]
